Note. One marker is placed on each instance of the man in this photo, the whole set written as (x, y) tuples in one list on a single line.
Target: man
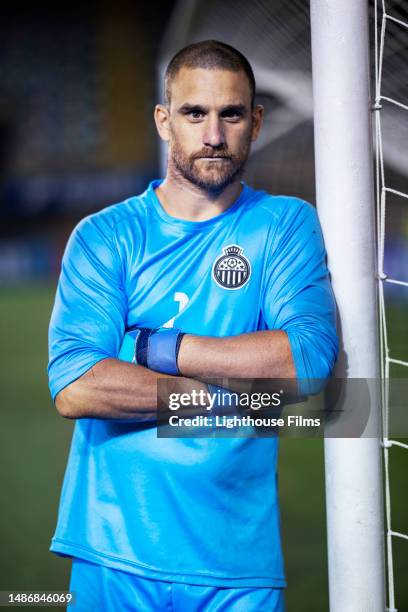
[(184, 524)]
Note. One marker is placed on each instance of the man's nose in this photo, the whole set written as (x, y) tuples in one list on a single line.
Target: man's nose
[(214, 133)]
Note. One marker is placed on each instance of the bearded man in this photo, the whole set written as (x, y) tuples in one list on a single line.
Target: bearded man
[(216, 280)]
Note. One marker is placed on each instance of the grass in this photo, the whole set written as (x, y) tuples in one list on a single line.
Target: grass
[(34, 443)]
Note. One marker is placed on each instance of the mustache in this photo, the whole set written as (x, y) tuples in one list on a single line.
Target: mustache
[(212, 154)]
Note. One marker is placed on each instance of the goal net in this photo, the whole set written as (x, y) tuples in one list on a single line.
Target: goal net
[(391, 148)]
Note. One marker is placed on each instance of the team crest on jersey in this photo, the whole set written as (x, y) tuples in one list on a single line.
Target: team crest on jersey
[(232, 270)]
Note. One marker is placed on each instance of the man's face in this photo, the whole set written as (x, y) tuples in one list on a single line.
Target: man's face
[(211, 126)]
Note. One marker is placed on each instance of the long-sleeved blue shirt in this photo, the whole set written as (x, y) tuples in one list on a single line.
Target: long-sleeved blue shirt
[(205, 510)]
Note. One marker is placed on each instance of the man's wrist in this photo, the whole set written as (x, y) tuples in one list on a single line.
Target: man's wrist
[(186, 356), (163, 349), (156, 349)]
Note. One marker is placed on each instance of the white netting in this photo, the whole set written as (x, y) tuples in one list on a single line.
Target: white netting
[(383, 20)]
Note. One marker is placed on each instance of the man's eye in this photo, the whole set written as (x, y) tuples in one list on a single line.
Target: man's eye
[(232, 115), (195, 114)]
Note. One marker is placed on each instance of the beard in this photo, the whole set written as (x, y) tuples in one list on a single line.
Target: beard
[(210, 176)]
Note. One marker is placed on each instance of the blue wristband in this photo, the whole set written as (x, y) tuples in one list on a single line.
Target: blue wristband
[(156, 349), (162, 350)]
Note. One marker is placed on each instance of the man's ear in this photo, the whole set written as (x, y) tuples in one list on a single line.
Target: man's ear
[(162, 119), (257, 119)]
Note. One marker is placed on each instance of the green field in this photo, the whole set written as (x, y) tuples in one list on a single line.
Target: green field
[(34, 445)]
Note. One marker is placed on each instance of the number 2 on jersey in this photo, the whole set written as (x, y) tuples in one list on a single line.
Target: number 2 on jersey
[(182, 299)]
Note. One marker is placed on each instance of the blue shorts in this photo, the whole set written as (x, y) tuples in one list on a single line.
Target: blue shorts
[(101, 588)]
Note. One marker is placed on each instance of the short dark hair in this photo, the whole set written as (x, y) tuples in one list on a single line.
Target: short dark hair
[(212, 55)]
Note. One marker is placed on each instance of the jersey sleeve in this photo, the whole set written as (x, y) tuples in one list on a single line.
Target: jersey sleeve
[(298, 296), (88, 319)]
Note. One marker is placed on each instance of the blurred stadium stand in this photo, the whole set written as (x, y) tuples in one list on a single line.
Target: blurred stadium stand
[(77, 89)]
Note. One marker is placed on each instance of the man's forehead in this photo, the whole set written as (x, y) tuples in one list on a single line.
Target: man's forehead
[(206, 86)]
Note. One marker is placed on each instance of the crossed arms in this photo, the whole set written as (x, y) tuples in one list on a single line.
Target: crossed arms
[(114, 389), (91, 310)]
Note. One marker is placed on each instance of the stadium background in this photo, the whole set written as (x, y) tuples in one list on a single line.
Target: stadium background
[(77, 88)]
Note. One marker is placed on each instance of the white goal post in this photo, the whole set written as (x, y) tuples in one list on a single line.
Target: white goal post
[(345, 202)]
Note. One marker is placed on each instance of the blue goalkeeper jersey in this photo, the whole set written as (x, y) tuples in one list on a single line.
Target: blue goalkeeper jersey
[(202, 511)]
